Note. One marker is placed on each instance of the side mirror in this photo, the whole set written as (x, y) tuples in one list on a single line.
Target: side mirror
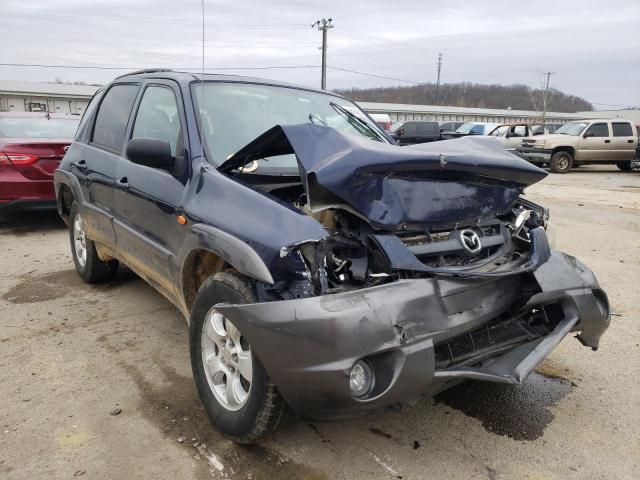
[(150, 152), (400, 132), (508, 135), (587, 135)]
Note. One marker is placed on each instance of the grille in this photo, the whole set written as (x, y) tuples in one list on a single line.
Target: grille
[(496, 335)]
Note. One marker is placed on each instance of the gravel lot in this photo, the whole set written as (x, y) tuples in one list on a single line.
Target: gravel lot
[(71, 353)]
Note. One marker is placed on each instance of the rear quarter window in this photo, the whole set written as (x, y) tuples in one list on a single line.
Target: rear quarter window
[(113, 116)]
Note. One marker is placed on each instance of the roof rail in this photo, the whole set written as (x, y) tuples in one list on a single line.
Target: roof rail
[(146, 70)]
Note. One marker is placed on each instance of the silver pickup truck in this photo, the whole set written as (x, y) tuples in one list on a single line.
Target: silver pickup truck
[(583, 142)]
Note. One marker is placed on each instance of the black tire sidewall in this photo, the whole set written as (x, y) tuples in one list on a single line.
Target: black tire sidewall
[(235, 424)]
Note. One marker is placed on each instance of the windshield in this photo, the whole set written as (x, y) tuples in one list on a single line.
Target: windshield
[(38, 127), (572, 128), (234, 114), (465, 127)]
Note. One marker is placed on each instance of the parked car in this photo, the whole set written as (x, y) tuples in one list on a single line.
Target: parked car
[(382, 119), (450, 126), (597, 141), (511, 136), (319, 265), (31, 146), (552, 127), (471, 128), (408, 133)]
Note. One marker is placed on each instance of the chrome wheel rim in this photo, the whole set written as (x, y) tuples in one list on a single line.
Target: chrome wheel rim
[(563, 162), (226, 357), (79, 240)]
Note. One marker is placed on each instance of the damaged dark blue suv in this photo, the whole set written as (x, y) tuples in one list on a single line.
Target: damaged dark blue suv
[(321, 266)]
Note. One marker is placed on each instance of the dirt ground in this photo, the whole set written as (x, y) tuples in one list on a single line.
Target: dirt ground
[(71, 353)]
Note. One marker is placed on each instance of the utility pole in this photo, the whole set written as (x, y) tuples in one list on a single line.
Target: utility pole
[(545, 96), (324, 25), (438, 82)]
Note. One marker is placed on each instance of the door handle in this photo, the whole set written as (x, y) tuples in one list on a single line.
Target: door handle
[(629, 141), (607, 141), (80, 165), (122, 183)]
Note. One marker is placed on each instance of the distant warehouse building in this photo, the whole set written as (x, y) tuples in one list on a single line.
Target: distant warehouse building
[(16, 96), (401, 113)]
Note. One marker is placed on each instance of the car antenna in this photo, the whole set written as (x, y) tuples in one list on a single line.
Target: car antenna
[(201, 103)]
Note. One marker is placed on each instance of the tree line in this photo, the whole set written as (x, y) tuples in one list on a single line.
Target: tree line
[(517, 97)]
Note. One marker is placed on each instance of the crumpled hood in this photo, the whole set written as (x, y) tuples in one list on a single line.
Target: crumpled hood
[(421, 186)]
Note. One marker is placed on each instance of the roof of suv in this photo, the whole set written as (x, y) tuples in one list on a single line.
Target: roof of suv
[(190, 76)]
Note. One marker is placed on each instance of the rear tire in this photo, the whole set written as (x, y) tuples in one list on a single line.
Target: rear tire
[(88, 265), (561, 162), (624, 166), (239, 397)]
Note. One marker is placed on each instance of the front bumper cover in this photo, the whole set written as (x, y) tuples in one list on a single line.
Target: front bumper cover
[(534, 155), (308, 346)]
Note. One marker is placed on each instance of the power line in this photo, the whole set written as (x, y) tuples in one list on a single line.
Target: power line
[(374, 75), (127, 20), (91, 67)]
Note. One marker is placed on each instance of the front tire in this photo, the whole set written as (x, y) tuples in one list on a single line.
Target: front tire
[(561, 162), (624, 166), (85, 257), (233, 385)]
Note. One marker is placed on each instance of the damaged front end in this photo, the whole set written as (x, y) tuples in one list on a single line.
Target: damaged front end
[(431, 268)]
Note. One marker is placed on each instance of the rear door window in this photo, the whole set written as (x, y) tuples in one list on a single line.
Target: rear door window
[(622, 129), (598, 130), (113, 116)]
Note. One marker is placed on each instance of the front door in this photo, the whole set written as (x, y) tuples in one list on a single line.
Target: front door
[(147, 199), (595, 143)]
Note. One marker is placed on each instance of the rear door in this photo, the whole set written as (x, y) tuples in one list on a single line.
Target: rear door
[(595, 143), (623, 142), (148, 200), (95, 162)]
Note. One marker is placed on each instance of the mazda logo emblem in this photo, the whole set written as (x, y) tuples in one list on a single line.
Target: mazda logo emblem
[(470, 241)]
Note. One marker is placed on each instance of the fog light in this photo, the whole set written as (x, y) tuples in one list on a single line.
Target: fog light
[(360, 379)]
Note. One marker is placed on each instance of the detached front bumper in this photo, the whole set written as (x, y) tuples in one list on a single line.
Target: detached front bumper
[(534, 155), (308, 346)]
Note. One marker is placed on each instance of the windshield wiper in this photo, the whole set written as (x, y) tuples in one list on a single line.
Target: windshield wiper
[(360, 124), (313, 118)]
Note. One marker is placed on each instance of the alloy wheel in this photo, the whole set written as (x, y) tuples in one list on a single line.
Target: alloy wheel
[(226, 357), (79, 240)]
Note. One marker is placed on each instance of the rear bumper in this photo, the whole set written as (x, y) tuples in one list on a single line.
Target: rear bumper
[(308, 346), (17, 189), (535, 155), (27, 205)]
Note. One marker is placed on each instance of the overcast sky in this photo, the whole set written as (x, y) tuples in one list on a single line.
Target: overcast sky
[(594, 47)]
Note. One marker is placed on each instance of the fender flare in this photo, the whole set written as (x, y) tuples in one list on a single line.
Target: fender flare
[(232, 250)]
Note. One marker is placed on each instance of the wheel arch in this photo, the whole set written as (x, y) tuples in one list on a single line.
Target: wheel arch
[(565, 148), (212, 250), (68, 191)]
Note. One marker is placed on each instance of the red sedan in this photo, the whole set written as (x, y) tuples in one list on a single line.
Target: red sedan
[(31, 147)]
